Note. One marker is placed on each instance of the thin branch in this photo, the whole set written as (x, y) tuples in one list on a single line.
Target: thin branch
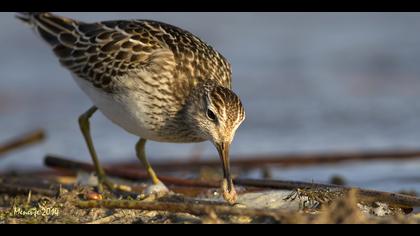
[(290, 160), (22, 141)]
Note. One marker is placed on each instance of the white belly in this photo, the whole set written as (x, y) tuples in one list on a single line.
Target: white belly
[(123, 110)]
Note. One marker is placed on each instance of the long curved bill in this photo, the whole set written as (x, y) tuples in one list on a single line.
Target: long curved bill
[(229, 192)]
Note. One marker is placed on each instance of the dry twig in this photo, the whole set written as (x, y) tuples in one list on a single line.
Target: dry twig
[(22, 141), (289, 160)]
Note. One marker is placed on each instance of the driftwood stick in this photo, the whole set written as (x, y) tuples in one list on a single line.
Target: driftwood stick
[(290, 160), (22, 141), (191, 208), (364, 194)]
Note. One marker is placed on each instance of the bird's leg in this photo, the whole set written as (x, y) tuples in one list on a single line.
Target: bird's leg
[(85, 128), (157, 187)]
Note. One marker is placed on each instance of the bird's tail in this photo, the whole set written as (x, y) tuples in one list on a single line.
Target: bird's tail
[(47, 25), (25, 16)]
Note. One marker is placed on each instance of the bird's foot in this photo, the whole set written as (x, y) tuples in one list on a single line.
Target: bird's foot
[(155, 191), (100, 182), (103, 181)]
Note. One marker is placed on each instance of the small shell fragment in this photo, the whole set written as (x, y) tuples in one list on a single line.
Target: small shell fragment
[(94, 196)]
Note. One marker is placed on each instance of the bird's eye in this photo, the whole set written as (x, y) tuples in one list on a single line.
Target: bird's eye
[(211, 115)]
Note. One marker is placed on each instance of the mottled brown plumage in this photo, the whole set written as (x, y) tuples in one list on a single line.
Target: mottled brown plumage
[(153, 79), (105, 51)]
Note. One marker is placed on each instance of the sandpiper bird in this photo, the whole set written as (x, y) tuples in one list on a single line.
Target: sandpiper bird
[(154, 80)]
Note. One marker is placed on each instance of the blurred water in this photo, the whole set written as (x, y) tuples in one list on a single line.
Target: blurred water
[(309, 82)]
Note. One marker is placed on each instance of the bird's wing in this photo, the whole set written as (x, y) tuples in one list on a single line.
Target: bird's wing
[(105, 51)]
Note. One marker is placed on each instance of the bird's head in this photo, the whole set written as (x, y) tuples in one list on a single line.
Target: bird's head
[(216, 114)]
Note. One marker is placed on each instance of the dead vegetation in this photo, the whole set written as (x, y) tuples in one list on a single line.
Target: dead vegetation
[(72, 207), (63, 195)]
